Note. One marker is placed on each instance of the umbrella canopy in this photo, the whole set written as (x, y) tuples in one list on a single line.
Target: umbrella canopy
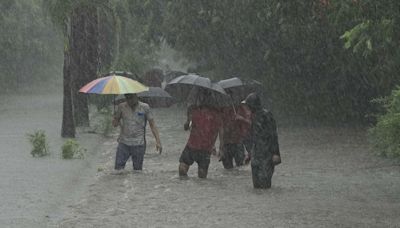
[(197, 88), (113, 85), (231, 83), (170, 75), (182, 85), (201, 96), (239, 89)]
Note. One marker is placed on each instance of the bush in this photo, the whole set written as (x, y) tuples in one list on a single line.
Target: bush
[(39, 143), (385, 136), (72, 149)]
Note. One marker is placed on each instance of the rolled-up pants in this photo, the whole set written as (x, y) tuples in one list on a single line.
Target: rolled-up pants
[(124, 152)]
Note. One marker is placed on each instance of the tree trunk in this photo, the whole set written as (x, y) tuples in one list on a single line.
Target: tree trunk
[(68, 124), (84, 62), (106, 41)]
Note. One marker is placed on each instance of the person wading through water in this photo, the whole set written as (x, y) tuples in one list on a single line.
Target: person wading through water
[(132, 139), (263, 141), (206, 124), (236, 124)]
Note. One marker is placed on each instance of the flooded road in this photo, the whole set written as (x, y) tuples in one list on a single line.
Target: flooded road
[(328, 178), (33, 190)]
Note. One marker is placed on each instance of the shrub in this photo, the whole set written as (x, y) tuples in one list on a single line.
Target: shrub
[(71, 149), (39, 143), (385, 135)]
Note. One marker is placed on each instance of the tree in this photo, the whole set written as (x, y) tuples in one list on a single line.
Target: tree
[(68, 123), (84, 57)]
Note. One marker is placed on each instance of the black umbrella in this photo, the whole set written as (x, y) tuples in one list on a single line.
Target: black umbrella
[(234, 82), (170, 75), (197, 88), (156, 97), (239, 89)]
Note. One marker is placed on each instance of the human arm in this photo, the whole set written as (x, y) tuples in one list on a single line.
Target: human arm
[(154, 130), (243, 119)]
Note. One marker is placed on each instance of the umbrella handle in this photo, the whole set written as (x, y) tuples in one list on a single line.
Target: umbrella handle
[(233, 105)]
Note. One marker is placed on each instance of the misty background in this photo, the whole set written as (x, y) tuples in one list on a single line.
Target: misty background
[(319, 59)]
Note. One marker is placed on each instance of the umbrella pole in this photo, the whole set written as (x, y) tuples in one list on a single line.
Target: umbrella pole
[(234, 109), (114, 104), (233, 105)]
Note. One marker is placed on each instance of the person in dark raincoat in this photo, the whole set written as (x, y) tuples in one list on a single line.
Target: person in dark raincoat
[(263, 141)]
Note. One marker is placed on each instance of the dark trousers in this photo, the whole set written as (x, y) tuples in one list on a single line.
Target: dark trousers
[(262, 172), (125, 151), (232, 151)]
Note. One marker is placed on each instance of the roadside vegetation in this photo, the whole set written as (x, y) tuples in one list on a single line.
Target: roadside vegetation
[(38, 140), (72, 149), (385, 135)]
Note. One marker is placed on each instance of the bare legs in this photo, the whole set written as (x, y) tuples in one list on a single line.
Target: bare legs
[(184, 168)]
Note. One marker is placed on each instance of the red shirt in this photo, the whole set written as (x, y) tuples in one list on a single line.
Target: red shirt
[(235, 130), (205, 127)]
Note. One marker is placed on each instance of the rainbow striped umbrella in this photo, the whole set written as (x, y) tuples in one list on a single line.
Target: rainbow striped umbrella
[(114, 85)]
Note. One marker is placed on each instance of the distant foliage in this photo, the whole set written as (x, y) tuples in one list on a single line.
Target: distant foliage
[(39, 143), (30, 47), (323, 59), (71, 149), (385, 136)]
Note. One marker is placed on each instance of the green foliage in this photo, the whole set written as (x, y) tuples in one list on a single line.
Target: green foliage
[(136, 40), (323, 59), (385, 136), (71, 149), (298, 49), (39, 143), (31, 50)]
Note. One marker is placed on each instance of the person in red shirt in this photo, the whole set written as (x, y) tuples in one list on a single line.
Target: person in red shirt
[(236, 125), (206, 124)]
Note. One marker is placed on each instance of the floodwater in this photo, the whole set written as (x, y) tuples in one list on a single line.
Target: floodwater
[(328, 178)]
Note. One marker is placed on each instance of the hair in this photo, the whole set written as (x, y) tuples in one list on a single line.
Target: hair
[(129, 95), (253, 101)]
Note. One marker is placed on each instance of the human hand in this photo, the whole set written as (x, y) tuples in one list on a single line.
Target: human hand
[(276, 159), (186, 126), (238, 117), (115, 122), (247, 159)]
